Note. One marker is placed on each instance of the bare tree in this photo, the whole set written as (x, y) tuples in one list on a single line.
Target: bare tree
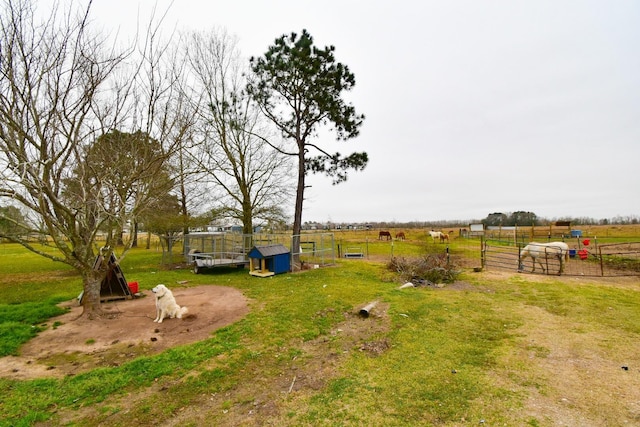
[(188, 175), (165, 109), (254, 178), (59, 91)]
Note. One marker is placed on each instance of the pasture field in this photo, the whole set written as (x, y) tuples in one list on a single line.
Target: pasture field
[(491, 349)]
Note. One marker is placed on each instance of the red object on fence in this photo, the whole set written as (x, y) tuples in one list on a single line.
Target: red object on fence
[(586, 242), (133, 287), (583, 254)]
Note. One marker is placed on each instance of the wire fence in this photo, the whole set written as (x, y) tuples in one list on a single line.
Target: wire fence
[(592, 259), (586, 257), (316, 249), (220, 249)]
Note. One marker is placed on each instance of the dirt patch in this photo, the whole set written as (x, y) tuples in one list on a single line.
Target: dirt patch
[(576, 375), (77, 345)]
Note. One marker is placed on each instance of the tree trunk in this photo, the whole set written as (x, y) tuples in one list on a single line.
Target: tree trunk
[(184, 209), (134, 242), (297, 218), (91, 306), (170, 250), (247, 220)]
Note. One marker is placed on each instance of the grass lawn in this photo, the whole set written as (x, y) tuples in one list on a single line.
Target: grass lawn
[(490, 349)]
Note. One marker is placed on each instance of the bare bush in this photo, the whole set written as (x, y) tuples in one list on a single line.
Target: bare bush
[(428, 270)]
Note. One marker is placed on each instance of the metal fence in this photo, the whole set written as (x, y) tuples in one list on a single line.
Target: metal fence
[(316, 249), (615, 259), (219, 249)]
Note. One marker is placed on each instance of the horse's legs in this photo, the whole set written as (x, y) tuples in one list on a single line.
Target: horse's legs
[(544, 270), (522, 258), (561, 264), (533, 262)]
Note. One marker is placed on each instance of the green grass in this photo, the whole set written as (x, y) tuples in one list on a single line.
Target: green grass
[(432, 374), (21, 322), (442, 349)]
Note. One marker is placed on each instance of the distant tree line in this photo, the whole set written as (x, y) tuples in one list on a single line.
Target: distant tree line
[(524, 218), (511, 219), (521, 218)]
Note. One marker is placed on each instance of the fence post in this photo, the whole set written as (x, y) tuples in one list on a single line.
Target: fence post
[(601, 262), (520, 265), (482, 249), (367, 246)]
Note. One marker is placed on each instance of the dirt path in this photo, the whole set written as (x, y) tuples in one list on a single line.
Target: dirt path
[(81, 345)]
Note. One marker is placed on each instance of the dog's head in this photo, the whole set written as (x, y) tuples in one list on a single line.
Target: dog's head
[(159, 290)]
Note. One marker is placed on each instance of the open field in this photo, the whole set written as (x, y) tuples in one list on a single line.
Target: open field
[(492, 348)]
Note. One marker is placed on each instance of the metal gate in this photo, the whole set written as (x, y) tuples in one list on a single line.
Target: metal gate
[(614, 259)]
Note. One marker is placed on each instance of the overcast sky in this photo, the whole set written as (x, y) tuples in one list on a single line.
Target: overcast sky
[(472, 107)]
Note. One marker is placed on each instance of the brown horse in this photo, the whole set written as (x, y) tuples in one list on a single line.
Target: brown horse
[(384, 234), (443, 237), (400, 235)]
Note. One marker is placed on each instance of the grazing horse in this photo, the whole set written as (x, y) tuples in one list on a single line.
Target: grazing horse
[(557, 250), (384, 234), (435, 235), (400, 235), (443, 237)]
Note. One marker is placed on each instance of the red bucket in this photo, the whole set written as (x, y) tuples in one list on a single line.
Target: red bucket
[(583, 254), (133, 287)]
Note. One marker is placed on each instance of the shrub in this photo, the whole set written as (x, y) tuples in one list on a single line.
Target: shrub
[(430, 269)]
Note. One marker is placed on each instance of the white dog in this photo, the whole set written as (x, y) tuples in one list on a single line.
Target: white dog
[(166, 304)]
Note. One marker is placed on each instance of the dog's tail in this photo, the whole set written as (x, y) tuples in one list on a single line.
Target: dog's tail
[(182, 312)]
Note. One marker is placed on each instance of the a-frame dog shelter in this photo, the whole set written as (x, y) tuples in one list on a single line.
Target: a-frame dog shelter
[(114, 286)]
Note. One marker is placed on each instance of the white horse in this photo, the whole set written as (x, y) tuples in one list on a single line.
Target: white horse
[(557, 250), (435, 235)]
